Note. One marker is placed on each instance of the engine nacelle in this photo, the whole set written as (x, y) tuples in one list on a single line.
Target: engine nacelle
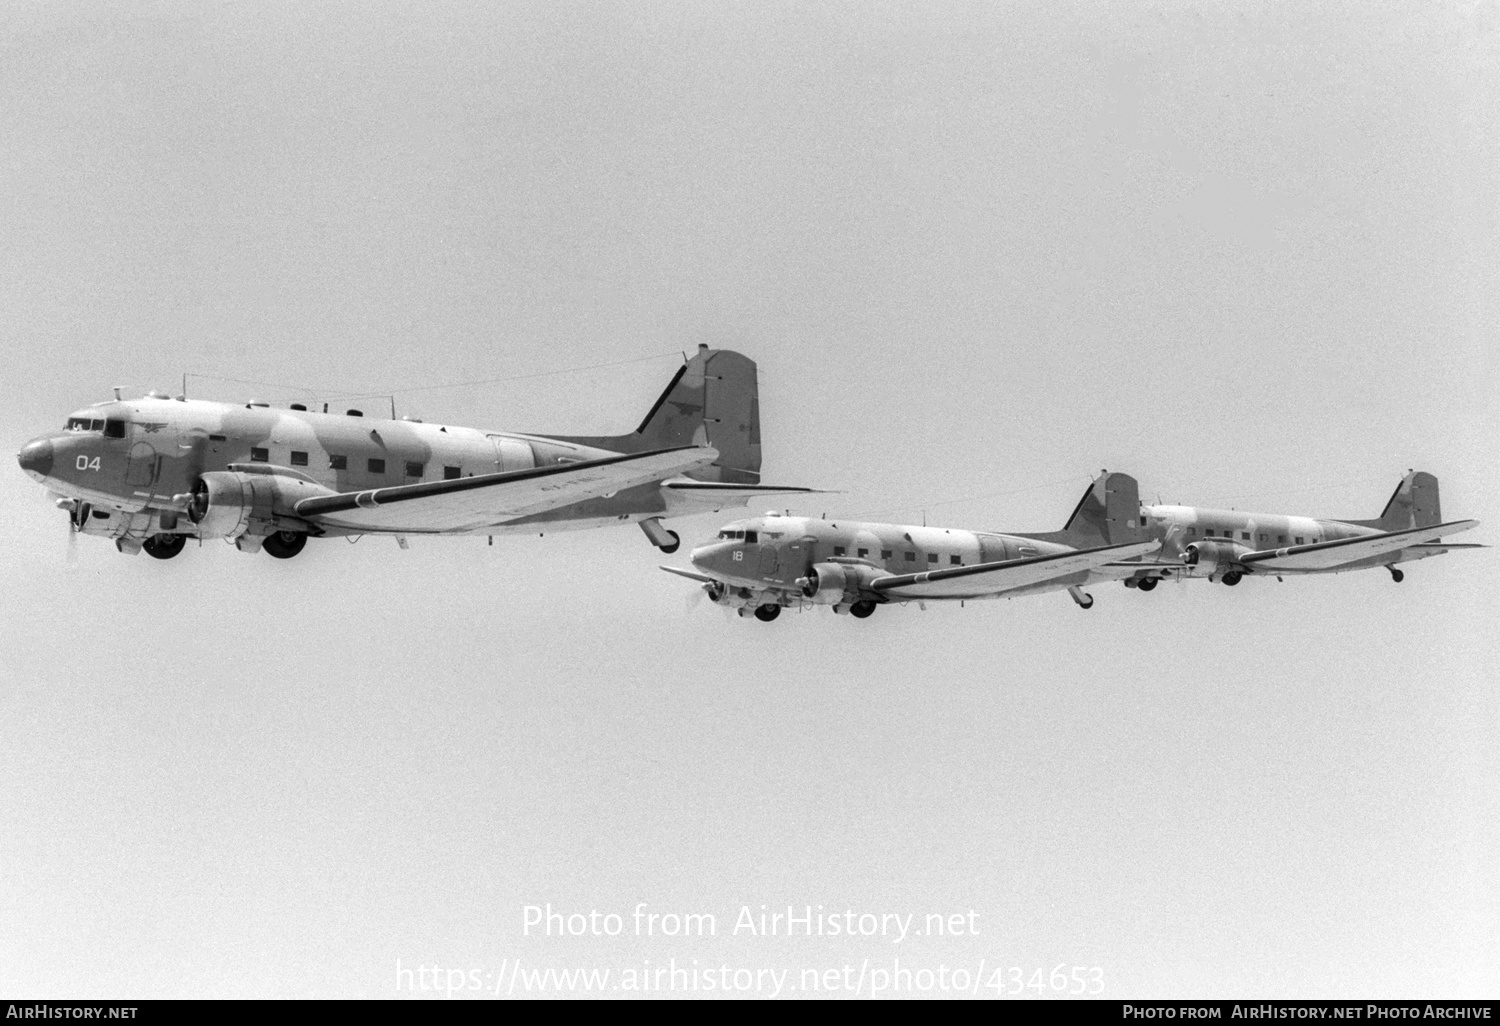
[(229, 503), (830, 584), (1214, 553)]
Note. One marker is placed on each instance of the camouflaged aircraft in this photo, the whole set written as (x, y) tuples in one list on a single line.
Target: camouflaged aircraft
[(765, 564), (1227, 545), (153, 472), (768, 563)]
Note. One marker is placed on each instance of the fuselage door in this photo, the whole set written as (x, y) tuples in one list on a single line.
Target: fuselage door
[(144, 463)]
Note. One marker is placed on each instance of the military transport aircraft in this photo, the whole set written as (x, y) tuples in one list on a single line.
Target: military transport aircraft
[(765, 564), (1228, 545), (153, 472)]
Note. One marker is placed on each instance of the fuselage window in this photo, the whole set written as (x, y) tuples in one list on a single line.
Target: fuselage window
[(1262, 537), (336, 462), (299, 459), (1281, 539), (1192, 531), (1299, 539), (453, 474), (260, 455), (838, 550), (885, 553), (415, 469), (376, 466), (863, 553), (932, 557), (956, 560), (1244, 536), (911, 557)]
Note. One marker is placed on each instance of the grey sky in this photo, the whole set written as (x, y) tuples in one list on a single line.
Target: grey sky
[(1246, 253)]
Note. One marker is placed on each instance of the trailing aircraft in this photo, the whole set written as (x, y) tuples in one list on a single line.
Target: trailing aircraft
[(151, 473), (1228, 546), (765, 564)]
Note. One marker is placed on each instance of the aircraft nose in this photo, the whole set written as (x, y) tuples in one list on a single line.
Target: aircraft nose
[(36, 458)]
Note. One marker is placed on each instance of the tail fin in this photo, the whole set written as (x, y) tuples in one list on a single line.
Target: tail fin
[(1413, 504), (712, 399), (1108, 514)]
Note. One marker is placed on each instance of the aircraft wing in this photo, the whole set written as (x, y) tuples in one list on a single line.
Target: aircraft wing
[(468, 503), (711, 496), (992, 578), (701, 578), (1325, 555)]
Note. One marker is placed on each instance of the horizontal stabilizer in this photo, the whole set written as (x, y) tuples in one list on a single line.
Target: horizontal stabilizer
[(1325, 555), (1005, 575), (469, 503)]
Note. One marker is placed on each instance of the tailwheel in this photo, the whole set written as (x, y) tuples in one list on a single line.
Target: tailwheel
[(164, 546), (862, 608), (1397, 575), (1145, 583), (1232, 578), (767, 613), (285, 544)]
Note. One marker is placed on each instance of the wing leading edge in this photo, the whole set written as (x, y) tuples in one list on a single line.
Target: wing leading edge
[(1326, 555), (472, 502), (993, 578)]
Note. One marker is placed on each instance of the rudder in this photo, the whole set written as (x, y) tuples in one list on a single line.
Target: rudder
[(1414, 503)]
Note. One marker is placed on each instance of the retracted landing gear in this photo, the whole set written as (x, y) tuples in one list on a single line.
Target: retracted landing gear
[(1084, 600), (862, 609), (667, 541), (1232, 577), (1145, 584), (164, 546), (285, 544), (767, 613), (1396, 575)]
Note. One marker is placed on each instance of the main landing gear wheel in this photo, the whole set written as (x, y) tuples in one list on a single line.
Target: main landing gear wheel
[(767, 613), (675, 544), (1083, 598), (1145, 584), (862, 609), (164, 546), (1397, 575), (285, 544), (1232, 578)]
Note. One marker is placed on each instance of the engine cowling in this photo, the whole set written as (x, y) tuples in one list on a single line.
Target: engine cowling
[(230, 503), (1214, 553), (829, 584)]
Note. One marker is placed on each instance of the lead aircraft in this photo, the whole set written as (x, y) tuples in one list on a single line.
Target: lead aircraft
[(152, 473), (765, 564)]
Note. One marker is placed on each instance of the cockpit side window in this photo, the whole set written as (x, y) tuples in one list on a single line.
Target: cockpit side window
[(114, 428), (751, 537)]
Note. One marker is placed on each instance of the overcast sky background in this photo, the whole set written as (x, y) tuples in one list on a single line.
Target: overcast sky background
[(1247, 253)]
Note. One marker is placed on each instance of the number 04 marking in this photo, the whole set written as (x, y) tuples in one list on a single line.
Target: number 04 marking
[(84, 463)]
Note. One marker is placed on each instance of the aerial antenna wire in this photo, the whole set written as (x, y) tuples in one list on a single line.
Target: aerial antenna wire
[(299, 390)]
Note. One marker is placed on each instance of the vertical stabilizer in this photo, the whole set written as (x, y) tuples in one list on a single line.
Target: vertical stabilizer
[(713, 399), (1108, 514), (1413, 504)]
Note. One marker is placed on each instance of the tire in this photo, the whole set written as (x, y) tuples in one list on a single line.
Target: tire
[(164, 546), (1397, 575), (674, 546), (862, 609), (1232, 578), (1145, 584), (285, 544), (767, 613)]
